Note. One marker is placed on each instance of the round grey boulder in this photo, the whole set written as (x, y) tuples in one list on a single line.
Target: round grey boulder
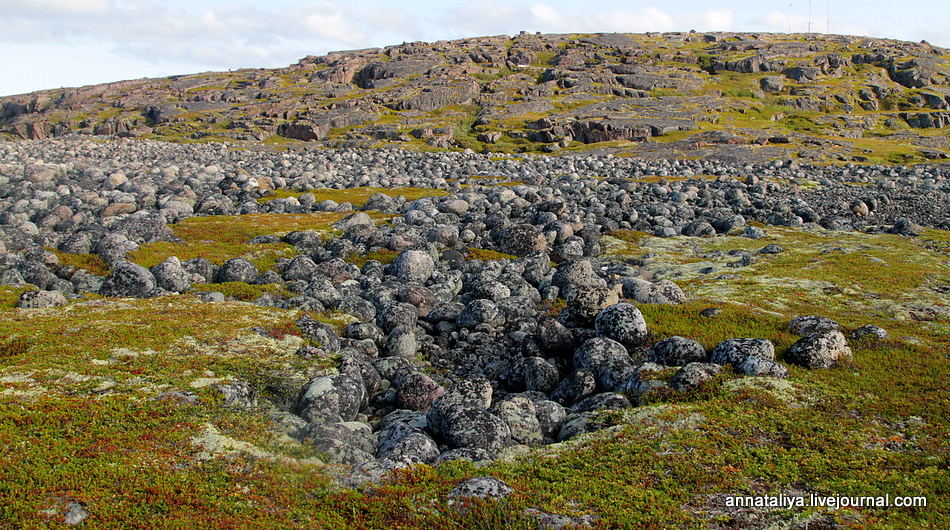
[(41, 299), (736, 351), (677, 351), (521, 240), (333, 398), (481, 488), (870, 331), (575, 387), (417, 391), (693, 375), (237, 270), (586, 302), (607, 359), (823, 349), (623, 323), (805, 325), (539, 374), (756, 366), (171, 276), (401, 342), (480, 311), (520, 414), (412, 266), (128, 279)]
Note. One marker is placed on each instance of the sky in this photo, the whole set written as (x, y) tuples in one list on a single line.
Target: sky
[(70, 43)]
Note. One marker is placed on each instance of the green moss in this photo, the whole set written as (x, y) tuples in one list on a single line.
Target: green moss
[(246, 292), (9, 296), (357, 196), (91, 262), (484, 254), (382, 256)]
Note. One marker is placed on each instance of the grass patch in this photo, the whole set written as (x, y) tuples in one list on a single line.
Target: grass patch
[(484, 254), (355, 196), (383, 256), (91, 262)]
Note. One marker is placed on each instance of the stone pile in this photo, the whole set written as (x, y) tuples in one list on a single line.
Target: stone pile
[(449, 358)]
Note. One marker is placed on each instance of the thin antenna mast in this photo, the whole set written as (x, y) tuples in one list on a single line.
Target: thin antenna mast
[(809, 16), (828, 19)]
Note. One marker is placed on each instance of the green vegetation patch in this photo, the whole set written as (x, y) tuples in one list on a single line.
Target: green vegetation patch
[(222, 237), (356, 196)]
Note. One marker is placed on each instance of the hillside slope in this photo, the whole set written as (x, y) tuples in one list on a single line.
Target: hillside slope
[(737, 97)]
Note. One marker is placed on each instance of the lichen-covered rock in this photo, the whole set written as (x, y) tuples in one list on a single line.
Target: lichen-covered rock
[(480, 311), (481, 488), (677, 351), (585, 302), (555, 339), (805, 325), (602, 401), (575, 387), (35, 273), (237, 270), (340, 453), (693, 375), (623, 323), (607, 359), (520, 414), (822, 349), (300, 268), (460, 418), (40, 299), (736, 351), (870, 331), (521, 240), (414, 447), (468, 427), (397, 314), (417, 391), (574, 274), (238, 394), (538, 374), (468, 454), (171, 276), (756, 366), (661, 292), (333, 398), (353, 433), (128, 279), (401, 342), (412, 266), (550, 414), (319, 332)]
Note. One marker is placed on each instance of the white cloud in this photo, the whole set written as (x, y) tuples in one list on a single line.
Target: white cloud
[(55, 7)]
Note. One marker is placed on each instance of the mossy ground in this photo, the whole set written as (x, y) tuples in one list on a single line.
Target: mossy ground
[(79, 418)]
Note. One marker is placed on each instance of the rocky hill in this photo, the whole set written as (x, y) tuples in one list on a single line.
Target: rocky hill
[(737, 97)]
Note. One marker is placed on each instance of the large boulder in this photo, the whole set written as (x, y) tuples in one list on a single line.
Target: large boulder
[(171, 276), (237, 270), (460, 417), (412, 266), (333, 398), (40, 299), (128, 280), (736, 351), (521, 240), (607, 359), (677, 351), (623, 323), (822, 349)]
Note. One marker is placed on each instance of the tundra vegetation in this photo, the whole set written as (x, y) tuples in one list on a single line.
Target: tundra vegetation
[(160, 410)]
